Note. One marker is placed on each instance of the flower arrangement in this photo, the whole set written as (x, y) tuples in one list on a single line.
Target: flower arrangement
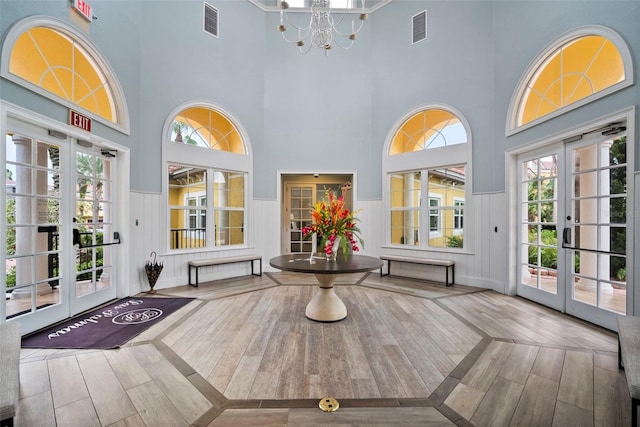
[(331, 219)]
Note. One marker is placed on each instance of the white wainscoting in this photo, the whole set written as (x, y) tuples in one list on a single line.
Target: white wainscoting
[(483, 262), (483, 265)]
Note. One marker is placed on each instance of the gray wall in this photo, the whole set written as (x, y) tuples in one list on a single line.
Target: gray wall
[(330, 113), (522, 30), (115, 34)]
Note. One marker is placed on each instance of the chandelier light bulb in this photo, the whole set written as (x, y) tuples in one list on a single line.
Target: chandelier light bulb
[(323, 28)]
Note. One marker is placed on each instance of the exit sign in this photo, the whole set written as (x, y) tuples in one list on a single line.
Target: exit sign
[(83, 8), (78, 120)]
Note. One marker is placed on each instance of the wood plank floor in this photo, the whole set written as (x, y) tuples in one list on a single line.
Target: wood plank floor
[(409, 353)]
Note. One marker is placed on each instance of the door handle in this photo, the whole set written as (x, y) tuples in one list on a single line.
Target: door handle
[(566, 244)]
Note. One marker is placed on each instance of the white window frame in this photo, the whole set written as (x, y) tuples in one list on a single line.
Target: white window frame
[(198, 207), (438, 215), (458, 205), (212, 160), (120, 103), (457, 155), (511, 127)]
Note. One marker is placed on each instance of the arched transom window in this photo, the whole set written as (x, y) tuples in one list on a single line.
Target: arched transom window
[(578, 68), (205, 127), (428, 129), (57, 61)]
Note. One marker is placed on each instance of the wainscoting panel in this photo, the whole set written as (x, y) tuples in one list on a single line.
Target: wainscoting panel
[(482, 266)]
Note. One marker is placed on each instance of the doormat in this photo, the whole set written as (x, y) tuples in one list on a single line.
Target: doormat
[(107, 327)]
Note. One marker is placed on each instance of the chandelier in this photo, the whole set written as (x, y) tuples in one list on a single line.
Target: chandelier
[(322, 30)]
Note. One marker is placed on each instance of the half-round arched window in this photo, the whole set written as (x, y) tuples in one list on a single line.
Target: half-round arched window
[(427, 129), (577, 68), (205, 127), (55, 60)]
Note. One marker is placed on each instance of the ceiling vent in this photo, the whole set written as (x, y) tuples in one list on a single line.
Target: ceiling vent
[(210, 20), (419, 27)]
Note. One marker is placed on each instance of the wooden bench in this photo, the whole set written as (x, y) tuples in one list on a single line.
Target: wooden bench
[(629, 359), (9, 371), (224, 260), (447, 264)]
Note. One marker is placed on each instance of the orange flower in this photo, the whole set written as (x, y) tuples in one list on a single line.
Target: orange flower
[(332, 219)]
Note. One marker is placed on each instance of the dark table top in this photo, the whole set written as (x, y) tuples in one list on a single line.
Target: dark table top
[(300, 264)]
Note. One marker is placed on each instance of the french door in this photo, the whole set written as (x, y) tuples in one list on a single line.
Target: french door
[(573, 230), (59, 226), (299, 200), (95, 231)]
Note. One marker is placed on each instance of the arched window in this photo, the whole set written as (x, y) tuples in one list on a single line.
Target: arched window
[(426, 166), (205, 127), (577, 68), (57, 61), (428, 129), (207, 176)]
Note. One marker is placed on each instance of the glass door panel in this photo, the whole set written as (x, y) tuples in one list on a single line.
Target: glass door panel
[(597, 235), (538, 237), (300, 198), (33, 251), (94, 223), (301, 201)]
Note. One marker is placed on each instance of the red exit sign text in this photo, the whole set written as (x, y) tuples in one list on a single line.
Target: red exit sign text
[(84, 8), (78, 120)]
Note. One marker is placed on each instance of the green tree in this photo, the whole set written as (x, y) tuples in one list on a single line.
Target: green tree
[(618, 205)]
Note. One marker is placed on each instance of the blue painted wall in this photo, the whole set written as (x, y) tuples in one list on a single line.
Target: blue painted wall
[(314, 112)]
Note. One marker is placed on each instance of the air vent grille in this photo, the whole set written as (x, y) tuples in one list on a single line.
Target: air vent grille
[(419, 27), (210, 20)]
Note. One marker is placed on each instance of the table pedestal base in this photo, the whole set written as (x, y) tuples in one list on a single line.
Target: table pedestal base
[(325, 306)]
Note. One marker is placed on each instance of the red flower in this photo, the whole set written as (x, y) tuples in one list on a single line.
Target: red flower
[(331, 219)]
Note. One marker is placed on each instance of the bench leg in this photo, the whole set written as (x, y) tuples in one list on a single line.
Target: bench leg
[(388, 268), (453, 276), (252, 273), (191, 284), (620, 365), (634, 412)]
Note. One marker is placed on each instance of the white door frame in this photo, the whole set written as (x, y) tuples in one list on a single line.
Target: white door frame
[(280, 196), (122, 181), (511, 162)]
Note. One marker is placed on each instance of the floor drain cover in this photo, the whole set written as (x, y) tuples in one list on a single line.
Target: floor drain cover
[(329, 404)]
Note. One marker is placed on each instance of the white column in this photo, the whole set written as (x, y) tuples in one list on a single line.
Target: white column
[(592, 212), (106, 220), (26, 242)]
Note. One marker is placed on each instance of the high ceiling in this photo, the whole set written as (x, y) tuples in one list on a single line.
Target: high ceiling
[(272, 5)]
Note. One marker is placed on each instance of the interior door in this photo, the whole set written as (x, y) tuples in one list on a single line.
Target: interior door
[(300, 198)]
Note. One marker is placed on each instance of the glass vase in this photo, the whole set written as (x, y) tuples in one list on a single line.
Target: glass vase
[(334, 250)]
